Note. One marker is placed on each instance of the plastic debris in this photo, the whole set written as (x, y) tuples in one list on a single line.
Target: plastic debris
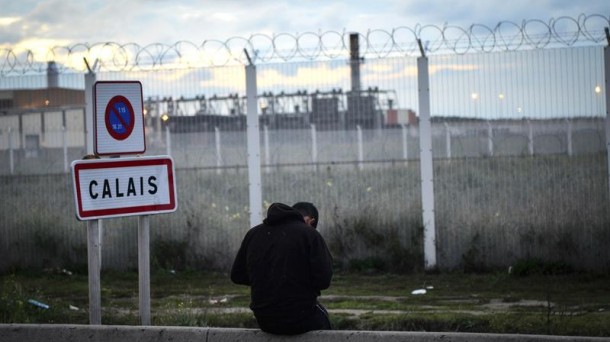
[(429, 287), (74, 308), (38, 304), (66, 272), (418, 292), (172, 272), (218, 301)]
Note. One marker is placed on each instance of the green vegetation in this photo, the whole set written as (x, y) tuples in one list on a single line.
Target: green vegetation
[(534, 301), (490, 212)]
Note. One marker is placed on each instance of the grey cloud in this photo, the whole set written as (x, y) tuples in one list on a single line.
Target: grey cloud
[(11, 34), (165, 21), (57, 12)]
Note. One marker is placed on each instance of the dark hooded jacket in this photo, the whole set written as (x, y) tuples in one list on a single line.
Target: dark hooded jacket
[(285, 262)]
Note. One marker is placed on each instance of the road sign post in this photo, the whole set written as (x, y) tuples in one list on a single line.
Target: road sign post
[(105, 188), (94, 227), (144, 268)]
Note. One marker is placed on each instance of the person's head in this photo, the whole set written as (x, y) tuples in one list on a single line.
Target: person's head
[(309, 212)]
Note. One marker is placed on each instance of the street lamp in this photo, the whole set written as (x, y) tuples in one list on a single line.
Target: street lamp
[(500, 98), (475, 97), (598, 91)]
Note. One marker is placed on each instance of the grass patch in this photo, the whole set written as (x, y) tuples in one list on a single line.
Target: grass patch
[(568, 304)]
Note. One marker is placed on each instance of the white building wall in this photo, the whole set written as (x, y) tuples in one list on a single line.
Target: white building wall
[(53, 130), (6, 123), (75, 127)]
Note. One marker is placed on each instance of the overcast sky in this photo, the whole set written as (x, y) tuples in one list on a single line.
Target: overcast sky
[(33, 24)]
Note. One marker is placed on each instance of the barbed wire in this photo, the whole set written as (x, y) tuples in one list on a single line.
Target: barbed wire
[(564, 31)]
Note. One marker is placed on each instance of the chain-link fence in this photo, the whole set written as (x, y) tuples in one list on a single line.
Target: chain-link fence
[(518, 140)]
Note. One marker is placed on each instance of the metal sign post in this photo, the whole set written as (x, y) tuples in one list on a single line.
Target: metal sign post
[(94, 253), (144, 268), (117, 187)]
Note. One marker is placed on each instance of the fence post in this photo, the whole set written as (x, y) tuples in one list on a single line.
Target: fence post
[(64, 142), (253, 140), (426, 169), (11, 157), (314, 147), (490, 139), (405, 143), (530, 137), (447, 140), (218, 151), (266, 144), (569, 136), (168, 142), (158, 131), (360, 147), (607, 78)]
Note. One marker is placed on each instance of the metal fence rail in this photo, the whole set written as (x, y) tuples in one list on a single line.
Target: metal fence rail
[(310, 148)]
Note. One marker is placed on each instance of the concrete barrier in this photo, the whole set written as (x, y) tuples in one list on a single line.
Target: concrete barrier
[(107, 333)]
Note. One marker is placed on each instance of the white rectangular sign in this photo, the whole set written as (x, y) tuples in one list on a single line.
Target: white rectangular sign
[(106, 188), (118, 113)]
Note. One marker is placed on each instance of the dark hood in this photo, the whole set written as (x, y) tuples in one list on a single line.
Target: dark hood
[(280, 212)]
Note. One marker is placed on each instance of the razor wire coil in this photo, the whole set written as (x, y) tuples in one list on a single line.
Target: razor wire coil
[(308, 46)]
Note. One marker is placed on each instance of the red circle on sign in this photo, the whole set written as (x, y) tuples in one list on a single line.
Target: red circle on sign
[(119, 118)]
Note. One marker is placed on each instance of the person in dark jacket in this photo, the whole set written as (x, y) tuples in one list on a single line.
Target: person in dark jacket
[(286, 264)]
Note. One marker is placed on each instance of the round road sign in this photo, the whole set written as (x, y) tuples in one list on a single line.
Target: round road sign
[(120, 118)]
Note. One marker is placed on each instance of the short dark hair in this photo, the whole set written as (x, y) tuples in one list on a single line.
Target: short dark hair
[(308, 209)]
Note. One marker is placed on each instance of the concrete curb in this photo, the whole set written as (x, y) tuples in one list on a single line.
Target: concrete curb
[(103, 333)]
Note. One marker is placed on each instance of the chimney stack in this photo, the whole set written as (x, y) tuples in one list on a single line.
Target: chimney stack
[(52, 75), (354, 53)]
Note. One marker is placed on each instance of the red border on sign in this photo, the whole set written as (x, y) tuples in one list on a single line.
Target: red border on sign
[(95, 136), (125, 211)]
